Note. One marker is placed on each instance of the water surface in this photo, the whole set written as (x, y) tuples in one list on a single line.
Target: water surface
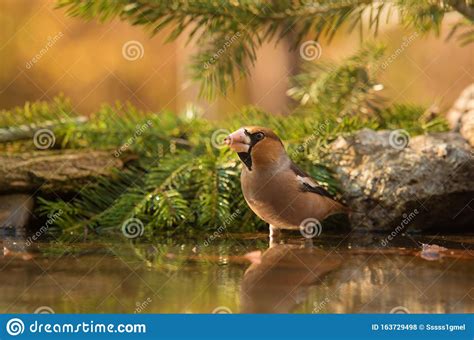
[(334, 274)]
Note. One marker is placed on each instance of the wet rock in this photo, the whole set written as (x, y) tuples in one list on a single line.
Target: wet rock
[(467, 126), (392, 182), (15, 210), (432, 252), (15, 214), (461, 115)]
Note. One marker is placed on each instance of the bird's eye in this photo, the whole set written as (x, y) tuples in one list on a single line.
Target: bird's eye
[(259, 135)]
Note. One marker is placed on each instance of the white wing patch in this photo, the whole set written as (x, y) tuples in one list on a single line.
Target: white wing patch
[(307, 180), (309, 184)]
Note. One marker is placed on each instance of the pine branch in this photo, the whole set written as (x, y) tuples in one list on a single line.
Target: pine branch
[(464, 7), (230, 32), (215, 24), (103, 204), (31, 114), (347, 88), (216, 178), (464, 32)]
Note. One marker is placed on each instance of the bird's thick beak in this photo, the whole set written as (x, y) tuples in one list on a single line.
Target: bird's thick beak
[(238, 141)]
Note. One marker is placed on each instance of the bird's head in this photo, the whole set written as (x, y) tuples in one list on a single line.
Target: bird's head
[(256, 146)]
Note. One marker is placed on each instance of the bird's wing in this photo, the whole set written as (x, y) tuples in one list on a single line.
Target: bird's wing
[(308, 183)]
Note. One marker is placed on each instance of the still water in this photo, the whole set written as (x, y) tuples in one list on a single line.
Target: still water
[(240, 273)]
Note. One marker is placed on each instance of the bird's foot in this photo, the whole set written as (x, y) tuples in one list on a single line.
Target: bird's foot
[(308, 243)]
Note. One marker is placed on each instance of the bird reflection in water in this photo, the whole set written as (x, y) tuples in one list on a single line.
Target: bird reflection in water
[(278, 279)]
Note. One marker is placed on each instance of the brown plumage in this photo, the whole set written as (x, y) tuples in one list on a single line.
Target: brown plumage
[(275, 188)]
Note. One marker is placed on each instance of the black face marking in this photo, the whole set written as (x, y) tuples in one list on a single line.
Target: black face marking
[(246, 157), (254, 137)]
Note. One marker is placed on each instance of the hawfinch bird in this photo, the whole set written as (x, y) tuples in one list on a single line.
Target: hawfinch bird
[(275, 189)]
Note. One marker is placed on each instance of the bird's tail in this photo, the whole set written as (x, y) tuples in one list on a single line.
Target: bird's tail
[(342, 208)]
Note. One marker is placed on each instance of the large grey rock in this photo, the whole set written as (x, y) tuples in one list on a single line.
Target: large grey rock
[(392, 182), (461, 115), (467, 126)]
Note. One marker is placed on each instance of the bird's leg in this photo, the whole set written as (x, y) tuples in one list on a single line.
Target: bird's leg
[(308, 243), (275, 235)]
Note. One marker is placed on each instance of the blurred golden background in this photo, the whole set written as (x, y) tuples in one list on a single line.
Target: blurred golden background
[(84, 61)]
